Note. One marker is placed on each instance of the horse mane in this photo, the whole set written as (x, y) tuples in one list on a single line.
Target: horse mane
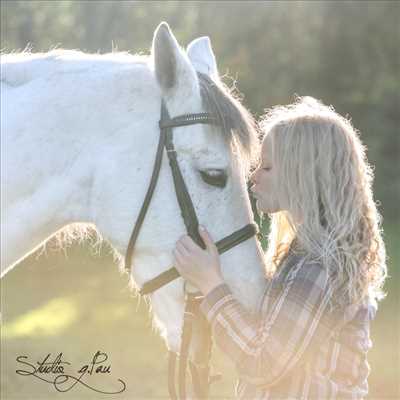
[(18, 69)]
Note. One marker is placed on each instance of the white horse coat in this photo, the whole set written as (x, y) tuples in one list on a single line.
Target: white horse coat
[(79, 136)]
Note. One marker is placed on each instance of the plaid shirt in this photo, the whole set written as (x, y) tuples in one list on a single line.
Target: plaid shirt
[(296, 346)]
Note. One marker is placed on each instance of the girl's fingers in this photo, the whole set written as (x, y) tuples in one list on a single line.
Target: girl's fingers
[(208, 241), (189, 244), (182, 249), (178, 259)]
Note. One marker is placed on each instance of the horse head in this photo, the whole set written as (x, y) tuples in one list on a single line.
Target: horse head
[(214, 163)]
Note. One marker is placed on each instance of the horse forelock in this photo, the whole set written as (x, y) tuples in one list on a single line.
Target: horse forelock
[(238, 125)]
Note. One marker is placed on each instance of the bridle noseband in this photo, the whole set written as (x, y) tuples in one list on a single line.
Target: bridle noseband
[(189, 216)]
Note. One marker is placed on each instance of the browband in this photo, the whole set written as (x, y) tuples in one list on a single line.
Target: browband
[(188, 119)]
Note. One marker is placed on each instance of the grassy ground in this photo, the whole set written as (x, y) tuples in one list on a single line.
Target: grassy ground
[(80, 304)]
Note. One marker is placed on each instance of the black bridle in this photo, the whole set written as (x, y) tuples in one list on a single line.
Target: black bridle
[(199, 374)]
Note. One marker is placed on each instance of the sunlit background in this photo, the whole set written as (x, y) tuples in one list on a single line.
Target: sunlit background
[(345, 53)]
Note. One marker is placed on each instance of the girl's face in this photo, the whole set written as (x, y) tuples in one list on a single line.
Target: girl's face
[(265, 180)]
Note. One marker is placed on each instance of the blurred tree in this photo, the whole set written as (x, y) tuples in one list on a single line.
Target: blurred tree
[(345, 54)]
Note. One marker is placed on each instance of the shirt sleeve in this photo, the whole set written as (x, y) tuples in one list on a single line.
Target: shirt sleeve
[(265, 348)]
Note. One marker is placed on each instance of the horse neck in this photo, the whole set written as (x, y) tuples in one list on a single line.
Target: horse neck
[(55, 200), (59, 148), (45, 184)]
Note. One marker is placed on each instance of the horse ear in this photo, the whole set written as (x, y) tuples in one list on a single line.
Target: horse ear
[(201, 55), (171, 65)]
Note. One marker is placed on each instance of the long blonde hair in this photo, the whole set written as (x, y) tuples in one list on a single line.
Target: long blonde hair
[(325, 179)]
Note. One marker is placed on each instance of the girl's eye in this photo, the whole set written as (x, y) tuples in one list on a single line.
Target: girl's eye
[(214, 177), (267, 168)]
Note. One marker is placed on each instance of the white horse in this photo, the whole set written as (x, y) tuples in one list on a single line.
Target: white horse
[(79, 136)]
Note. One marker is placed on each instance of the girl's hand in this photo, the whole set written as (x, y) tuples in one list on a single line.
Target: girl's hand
[(199, 267)]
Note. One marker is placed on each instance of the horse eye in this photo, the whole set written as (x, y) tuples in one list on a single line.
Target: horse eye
[(214, 177)]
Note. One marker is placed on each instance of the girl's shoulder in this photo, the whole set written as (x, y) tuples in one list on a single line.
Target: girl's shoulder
[(300, 265)]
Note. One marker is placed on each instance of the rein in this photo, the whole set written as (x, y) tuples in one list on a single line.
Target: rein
[(199, 374)]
